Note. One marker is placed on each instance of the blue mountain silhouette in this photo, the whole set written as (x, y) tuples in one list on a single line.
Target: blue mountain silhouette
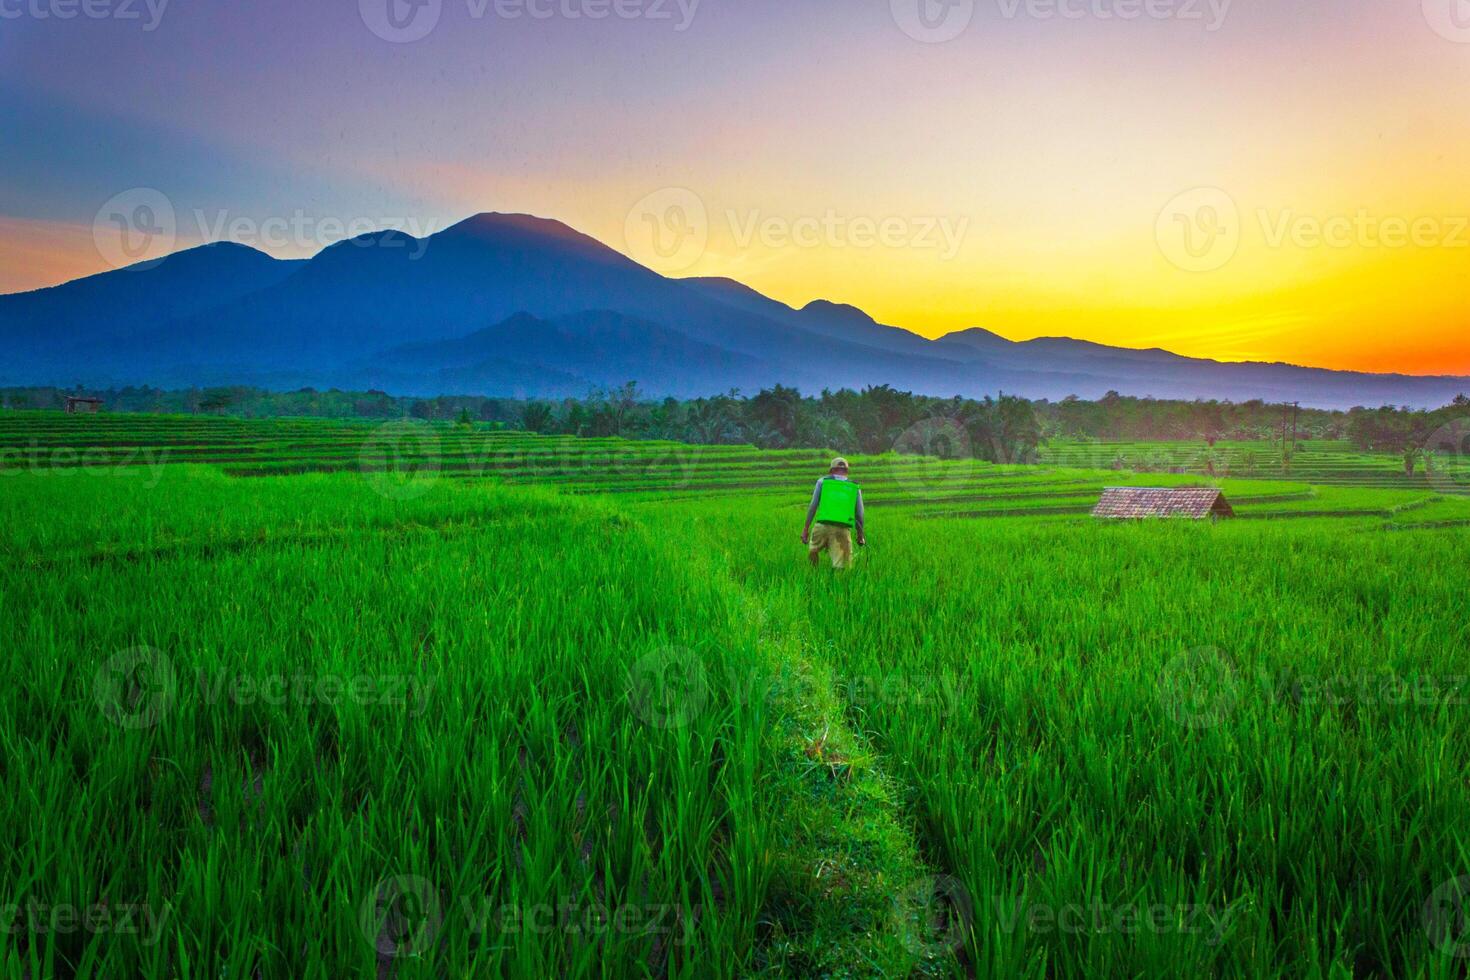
[(512, 304)]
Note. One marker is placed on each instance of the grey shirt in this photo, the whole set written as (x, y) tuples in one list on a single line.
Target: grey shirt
[(811, 512)]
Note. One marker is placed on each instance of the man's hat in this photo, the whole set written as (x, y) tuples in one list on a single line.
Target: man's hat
[(839, 463)]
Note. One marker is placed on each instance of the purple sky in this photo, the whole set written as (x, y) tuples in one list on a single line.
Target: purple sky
[(1055, 140)]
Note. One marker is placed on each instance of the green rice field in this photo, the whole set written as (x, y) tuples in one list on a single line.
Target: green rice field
[(325, 699), (1319, 462)]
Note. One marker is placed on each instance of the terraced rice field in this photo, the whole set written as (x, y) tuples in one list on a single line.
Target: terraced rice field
[(1320, 463), (310, 699)]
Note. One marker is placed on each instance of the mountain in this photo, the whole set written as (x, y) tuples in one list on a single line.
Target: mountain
[(67, 328), (518, 305), (1162, 374), (1054, 367), (819, 316), (598, 348), (360, 298)]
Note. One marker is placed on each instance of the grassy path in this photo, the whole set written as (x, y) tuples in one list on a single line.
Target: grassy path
[(842, 848), (850, 894)]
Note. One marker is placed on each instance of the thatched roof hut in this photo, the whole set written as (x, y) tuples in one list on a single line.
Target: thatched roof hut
[(1137, 503)]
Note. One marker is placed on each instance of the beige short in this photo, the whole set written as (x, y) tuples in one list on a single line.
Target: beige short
[(834, 539)]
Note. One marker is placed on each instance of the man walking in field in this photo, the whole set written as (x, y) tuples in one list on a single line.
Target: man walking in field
[(837, 509)]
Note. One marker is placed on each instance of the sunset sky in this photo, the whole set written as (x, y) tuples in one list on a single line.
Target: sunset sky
[(1263, 179)]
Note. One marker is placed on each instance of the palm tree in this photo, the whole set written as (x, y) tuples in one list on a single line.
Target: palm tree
[(709, 424), (776, 409), (829, 431)]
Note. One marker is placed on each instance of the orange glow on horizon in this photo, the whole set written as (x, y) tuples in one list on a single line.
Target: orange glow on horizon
[(1358, 308)]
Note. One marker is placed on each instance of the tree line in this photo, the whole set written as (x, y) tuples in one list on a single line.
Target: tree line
[(1417, 435), (1123, 418), (1003, 428)]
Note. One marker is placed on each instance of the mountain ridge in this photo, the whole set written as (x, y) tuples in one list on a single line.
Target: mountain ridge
[(378, 305)]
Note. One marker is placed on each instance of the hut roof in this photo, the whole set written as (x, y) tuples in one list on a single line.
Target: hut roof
[(1194, 503)]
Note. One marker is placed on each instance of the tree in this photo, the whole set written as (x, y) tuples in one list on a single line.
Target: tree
[(537, 417), (709, 422), (576, 419), (1211, 421), (375, 404), (1020, 431), (1004, 431), (216, 400), (620, 405), (829, 431), (775, 413)]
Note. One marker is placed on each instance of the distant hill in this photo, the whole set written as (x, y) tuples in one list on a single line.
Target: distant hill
[(72, 328), (588, 349), (517, 305)]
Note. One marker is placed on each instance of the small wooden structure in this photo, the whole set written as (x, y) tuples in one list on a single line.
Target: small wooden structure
[(82, 406), (1138, 503)]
